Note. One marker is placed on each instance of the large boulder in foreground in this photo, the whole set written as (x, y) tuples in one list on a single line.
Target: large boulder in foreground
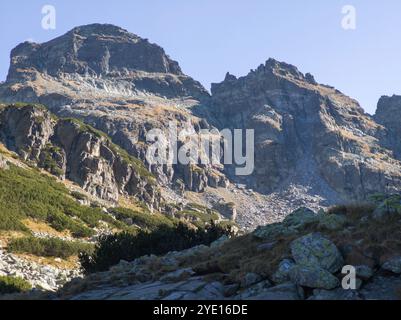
[(300, 218), (313, 276), (318, 251), (273, 231), (389, 207)]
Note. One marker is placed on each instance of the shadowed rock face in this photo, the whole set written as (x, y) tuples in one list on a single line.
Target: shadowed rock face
[(304, 130), (389, 115), (72, 150)]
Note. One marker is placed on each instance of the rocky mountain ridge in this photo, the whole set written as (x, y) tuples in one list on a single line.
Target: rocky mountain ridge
[(305, 127), (69, 149), (312, 142), (104, 52), (117, 82), (314, 147)]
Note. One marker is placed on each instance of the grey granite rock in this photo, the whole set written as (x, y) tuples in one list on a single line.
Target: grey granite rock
[(286, 291), (282, 274), (393, 265), (316, 250), (76, 152), (313, 276)]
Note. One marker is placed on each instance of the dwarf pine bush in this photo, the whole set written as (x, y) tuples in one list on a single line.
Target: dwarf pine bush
[(10, 285), (127, 246)]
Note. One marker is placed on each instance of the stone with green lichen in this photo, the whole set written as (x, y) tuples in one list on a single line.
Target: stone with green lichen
[(313, 276), (389, 207), (300, 218), (293, 223), (282, 274), (364, 272), (393, 265), (272, 231), (316, 250)]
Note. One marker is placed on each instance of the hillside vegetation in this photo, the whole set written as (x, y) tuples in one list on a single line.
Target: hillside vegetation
[(30, 194), (300, 258)]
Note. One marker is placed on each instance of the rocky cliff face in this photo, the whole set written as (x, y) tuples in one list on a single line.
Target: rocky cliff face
[(306, 133), (313, 144), (388, 114), (104, 51), (117, 82), (72, 150)]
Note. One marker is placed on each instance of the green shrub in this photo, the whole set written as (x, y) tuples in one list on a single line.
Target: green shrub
[(11, 222), (143, 219), (48, 162), (125, 246), (78, 195), (48, 247), (27, 193), (13, 285), (60, 221)]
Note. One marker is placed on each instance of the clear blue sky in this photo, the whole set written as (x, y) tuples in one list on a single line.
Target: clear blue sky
[(211, 37)]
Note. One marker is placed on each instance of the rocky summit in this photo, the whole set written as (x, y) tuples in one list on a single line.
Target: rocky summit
[(310, 134), (117, 82), (103, 52), (80, 199)]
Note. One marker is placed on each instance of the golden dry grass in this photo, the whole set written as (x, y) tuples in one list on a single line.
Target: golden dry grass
[(39, 226), (238, 257), (67, 264), (7, 236), (372, 242)]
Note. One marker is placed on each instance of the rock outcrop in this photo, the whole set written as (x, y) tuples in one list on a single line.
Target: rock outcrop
[(72, 150), (117, 82), (306, 133), (388, 114), (304, 265), (47, 278), (312, 143), (100, 51), (312, 269)]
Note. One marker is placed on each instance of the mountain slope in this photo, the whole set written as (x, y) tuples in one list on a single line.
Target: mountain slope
[(301, 258), (117, 82), (314, 145), (63, 185), (306, 132), (45, 222), (72, 150)]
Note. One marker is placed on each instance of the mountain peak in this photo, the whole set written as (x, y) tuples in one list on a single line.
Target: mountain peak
[(103, 58), (95, 49), (100, 28), (287, 70), (388, 109), (272, 68), (104, 31)]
